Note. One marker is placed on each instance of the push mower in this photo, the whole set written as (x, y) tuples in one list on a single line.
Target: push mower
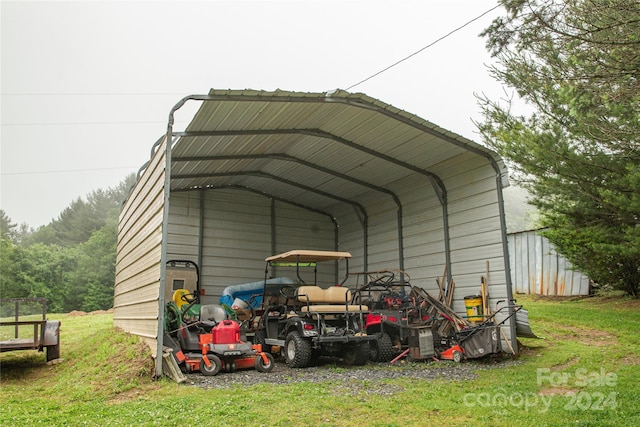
[(477, 341)]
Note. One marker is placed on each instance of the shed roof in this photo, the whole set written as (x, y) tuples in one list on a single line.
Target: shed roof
[(313, 149)]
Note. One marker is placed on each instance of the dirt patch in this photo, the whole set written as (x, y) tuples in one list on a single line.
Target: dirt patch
[(628, 304), (554, 391), (588, 337), (559, 298), (84, 313), (77, 313), (630, 360), (133, 394), (102, 311), (568, 363), (526, 350), (617, 302)]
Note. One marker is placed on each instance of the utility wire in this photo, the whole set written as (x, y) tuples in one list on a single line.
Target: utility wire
[(426, 47), (68, 171)]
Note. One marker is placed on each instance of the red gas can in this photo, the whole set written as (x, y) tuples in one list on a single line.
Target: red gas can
[(226, 332)]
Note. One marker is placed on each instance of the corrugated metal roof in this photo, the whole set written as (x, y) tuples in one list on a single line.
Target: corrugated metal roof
[(317, 148)]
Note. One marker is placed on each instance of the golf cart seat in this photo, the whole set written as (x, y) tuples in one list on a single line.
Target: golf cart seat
[(211, 315), (335, 299)]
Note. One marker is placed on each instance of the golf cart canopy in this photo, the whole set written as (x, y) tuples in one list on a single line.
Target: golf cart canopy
[(300, 255)]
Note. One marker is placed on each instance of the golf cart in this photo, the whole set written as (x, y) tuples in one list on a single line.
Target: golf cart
[(306, 321), (396, 312), (202, 337)]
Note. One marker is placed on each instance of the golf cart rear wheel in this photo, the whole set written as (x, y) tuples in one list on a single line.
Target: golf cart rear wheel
[(297, 351), (214, 368), (260, 364), (381, 349)]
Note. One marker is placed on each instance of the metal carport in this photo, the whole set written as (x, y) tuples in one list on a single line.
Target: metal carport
[(259, 172)]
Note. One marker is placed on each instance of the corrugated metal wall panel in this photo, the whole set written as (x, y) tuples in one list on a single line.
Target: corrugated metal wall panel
[(538, 269), (298, 228), (236, 239), (138, 255), (237, 236), (184, 226), (475, 232)]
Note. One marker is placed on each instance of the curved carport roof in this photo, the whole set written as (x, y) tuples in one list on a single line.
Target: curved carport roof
[(315, 150)]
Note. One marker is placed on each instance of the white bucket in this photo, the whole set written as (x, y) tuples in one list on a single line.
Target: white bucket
[(238, 303)]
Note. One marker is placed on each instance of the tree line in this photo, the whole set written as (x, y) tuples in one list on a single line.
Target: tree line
[(71, 260)]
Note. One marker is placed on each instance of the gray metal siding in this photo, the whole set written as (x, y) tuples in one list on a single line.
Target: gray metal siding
[(475, 231), (139, 248), (237, 236), (298, 228), (537, 268), (236, 240)]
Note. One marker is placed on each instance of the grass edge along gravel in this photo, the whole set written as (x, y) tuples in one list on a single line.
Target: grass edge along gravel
[(583, 373)]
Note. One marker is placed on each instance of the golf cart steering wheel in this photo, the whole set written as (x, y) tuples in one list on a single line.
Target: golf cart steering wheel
[(288, 291)]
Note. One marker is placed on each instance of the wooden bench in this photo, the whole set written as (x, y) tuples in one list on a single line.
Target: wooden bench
[(335, 299)]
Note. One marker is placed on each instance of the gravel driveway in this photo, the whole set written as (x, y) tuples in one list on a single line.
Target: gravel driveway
[(333, 370)]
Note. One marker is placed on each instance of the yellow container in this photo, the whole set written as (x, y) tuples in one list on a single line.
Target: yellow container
[(473, 304)]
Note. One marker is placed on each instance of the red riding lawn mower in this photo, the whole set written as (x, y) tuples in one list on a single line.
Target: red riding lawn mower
[(204, 339)]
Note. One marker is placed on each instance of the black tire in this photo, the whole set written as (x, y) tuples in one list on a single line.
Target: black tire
[(53, 352), (297, 351), (357, 354), (261, 366), (259, 338), (216, 365), (381, 349)]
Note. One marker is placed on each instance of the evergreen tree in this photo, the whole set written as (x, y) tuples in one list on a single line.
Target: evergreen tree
[(577, 64)]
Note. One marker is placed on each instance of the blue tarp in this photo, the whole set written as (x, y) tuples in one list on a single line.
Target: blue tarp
[(245, 291)]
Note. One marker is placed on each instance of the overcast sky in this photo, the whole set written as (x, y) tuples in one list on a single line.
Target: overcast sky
[(87, 86)]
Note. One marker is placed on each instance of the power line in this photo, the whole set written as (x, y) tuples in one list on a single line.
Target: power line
[(90, 94), (68, 171), (426, 47), (154, 122)]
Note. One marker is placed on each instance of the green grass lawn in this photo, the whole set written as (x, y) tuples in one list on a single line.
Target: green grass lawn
[(584, 372)]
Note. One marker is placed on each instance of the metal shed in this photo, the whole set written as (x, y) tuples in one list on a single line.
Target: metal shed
[(256, 173), (536, 267)]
